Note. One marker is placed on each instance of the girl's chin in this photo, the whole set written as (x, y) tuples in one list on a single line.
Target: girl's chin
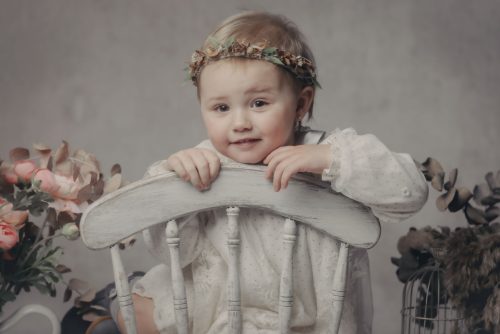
[(246, 158)]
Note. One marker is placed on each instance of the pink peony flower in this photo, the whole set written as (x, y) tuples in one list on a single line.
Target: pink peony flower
[(5, 206), (8, 236), (16, 218), (48, 180), (24, 169), (7, 173), (67, 187)]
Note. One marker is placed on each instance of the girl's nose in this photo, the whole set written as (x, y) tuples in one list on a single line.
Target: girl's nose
[(241, 122)]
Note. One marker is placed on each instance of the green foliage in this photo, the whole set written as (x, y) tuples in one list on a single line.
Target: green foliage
[(29, 264), (32, 261), (29, 198)]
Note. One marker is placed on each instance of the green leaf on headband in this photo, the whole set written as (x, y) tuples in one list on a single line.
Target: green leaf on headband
[(229, 42), (275, 60), (187, 71), (269, 51), (213, 41)]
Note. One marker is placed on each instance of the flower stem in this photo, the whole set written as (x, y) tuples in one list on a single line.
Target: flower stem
[(38, 242), (40, 231)]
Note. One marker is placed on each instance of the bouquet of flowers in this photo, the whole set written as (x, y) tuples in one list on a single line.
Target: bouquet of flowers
[(469, 256), (42, 198)]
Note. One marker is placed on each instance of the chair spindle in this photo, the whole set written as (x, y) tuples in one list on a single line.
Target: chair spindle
[(286, 283), (339, 283), (179, 290), (123, 291), (233, 279)]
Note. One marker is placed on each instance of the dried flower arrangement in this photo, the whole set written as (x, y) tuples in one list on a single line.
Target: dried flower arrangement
[(469, 256)]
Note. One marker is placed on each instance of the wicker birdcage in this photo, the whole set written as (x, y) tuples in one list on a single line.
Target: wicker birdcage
[(426, 307)]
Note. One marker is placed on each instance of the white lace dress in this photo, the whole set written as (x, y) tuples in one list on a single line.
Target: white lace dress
[(364, 170)]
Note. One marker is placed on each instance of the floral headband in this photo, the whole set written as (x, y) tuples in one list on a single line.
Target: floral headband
[(302, 68)]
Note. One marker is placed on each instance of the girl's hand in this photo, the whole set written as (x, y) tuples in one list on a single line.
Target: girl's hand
[(197, 165), (286, 161)]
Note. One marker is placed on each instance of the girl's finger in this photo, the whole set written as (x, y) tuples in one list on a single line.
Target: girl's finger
[(175, 164), (202, 166), (213, 163), (278, 171), (277, 151), (271, 165), (284, 171), (269, 171), (287, 174), (190, 168), (276, 160)]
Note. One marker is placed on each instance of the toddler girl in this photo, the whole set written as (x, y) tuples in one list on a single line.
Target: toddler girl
[(256, 81)]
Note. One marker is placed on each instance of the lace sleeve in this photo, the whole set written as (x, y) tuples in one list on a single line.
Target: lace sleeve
[(365, 170)]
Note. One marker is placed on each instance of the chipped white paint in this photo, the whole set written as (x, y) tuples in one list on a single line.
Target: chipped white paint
[(306, 200), (148, 202), (286, 283), (180, 300), (123, 291)]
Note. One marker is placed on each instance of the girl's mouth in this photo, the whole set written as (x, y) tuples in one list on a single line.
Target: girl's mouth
[(245, 144), (245, 141)]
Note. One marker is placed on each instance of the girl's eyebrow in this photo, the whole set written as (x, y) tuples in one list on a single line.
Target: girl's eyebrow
[(254, 90), (216, 98)]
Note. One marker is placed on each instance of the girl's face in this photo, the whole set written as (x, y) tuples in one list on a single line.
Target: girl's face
[(250, 107)]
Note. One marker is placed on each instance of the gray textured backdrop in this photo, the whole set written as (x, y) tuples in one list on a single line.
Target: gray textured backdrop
[(422, 75)]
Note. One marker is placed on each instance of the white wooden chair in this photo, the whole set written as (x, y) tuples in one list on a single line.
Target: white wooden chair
[(164, 198)]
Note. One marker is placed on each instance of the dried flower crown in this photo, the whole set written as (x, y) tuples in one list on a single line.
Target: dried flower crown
[(302, 68)]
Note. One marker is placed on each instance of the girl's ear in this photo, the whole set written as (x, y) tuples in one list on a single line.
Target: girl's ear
[(304, 101)]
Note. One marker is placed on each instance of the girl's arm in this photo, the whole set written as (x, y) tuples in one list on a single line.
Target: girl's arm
[(358, 166), (364, 169)]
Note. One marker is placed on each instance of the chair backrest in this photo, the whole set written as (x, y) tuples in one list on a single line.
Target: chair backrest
[(164, 198)]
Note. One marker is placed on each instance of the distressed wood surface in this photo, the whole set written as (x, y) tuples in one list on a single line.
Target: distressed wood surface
[(286, 282), (147, 202), (338, 290), (178, 287), (233, 271), (123, 291)]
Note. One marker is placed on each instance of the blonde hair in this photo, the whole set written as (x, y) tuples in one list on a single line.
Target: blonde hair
[(257, 27)]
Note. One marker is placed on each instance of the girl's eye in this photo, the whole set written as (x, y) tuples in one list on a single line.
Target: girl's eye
[(259, 103), (221, 108)]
